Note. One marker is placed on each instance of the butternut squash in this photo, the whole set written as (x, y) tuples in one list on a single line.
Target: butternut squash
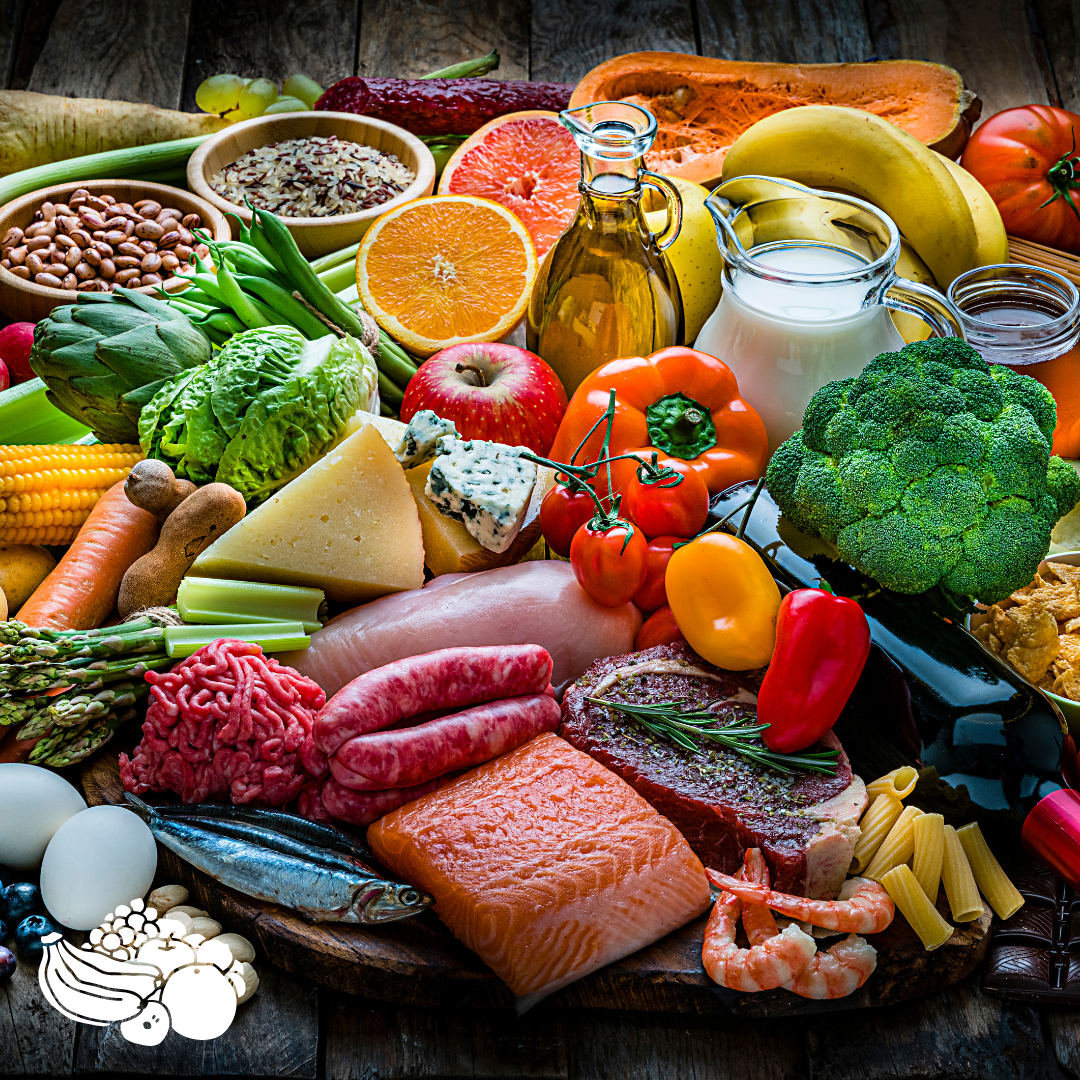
[(703, 105)]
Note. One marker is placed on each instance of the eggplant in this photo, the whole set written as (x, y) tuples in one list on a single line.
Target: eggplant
[(28, 935), (19, 900), (989, 744)]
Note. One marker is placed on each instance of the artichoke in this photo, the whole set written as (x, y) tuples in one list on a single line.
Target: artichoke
[(105, 356)]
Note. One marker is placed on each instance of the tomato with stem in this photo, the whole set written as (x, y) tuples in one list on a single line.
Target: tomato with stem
[(666, 500), (566, 507), (609, 558)]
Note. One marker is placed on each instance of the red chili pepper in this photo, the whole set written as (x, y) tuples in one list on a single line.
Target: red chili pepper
[(822, 642)]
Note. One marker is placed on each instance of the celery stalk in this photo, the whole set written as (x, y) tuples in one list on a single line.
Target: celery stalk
[(219, 601), (335, 258), (182, 641), (28, 417), (339, 277)]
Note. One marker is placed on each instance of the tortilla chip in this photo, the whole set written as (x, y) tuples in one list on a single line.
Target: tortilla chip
[(1068, 685), (1065, 572), (1070, 649), (1036, 626), (1060, 599), (1001, 626), (1070, 627)]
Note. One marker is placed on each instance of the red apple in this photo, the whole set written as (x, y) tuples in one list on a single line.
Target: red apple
[(490, 391), (15, 341)]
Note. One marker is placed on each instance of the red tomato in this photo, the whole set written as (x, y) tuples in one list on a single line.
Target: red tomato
[(666, 508), (659, 628), (562, 513), (606, 569), (1026, 159), (652, 594)]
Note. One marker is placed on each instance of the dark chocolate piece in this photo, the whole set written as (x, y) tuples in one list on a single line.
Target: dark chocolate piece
[(1029, 926)]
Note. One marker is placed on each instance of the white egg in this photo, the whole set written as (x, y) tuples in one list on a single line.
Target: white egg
[(34, 803), (98, 859)]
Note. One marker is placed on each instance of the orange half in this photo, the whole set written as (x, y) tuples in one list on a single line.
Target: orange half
[(446, 269)]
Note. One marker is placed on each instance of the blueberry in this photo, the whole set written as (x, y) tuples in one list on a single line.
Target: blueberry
[(28, 935), (19, 900), (7, 964), (3, 931)]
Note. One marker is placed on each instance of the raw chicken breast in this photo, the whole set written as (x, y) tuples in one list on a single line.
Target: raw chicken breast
[(538, 603), (545, 864)]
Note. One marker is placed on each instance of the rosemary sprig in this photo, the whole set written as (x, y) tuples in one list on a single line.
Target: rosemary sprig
[(671, 721)]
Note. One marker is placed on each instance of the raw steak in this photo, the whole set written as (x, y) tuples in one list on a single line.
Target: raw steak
[(806, 824)]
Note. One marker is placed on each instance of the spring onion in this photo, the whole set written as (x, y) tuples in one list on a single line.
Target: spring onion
[(182, 641), (218, 600)]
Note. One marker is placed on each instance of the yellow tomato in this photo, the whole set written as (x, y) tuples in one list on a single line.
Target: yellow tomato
[(724, 601)]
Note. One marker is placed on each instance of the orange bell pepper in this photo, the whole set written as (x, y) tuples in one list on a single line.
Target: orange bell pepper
[(681, 404)]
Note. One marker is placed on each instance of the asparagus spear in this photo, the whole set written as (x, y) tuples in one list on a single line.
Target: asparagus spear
[(70, 745), (27, 650), (18, 710), (88, 672), (78, 708)]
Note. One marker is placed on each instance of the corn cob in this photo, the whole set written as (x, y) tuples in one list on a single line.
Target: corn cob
[(47, 492)]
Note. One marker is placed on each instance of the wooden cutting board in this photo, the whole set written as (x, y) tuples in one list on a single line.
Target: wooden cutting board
[(418, 962)]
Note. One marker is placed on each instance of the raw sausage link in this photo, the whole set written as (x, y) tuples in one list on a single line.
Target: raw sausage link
[(446, 679), (407, 756), (364, 807)]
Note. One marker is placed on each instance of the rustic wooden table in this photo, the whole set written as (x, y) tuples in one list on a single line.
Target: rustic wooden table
[(1009, 51)]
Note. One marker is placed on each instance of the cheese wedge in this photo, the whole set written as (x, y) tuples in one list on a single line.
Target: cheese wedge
[(348, 526), (391, 430), (448, 547)]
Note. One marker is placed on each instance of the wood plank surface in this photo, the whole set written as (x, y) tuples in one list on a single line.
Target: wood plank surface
[(35, 1039), (794, 31), (270, 38), (136, 50), (406, 39), (364, 1040), (1057, 29), (570, 37), (274, 1034)]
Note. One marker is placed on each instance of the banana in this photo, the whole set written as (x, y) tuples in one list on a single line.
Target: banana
[(910, 266), (993, 243), (833, 146)]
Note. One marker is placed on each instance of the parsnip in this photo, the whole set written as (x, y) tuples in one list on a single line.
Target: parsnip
[(36, 129)]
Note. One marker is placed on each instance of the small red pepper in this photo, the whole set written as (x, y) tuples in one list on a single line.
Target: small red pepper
[(822, 642)]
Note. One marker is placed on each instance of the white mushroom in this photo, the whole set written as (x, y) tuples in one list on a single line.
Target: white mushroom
[(242, 950), (166, 897), (251, 982)]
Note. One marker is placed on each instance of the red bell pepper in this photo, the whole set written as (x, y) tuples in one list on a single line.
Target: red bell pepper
[(822, 642)]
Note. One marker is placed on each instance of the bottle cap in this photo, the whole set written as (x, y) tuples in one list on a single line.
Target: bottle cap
[(1051, 834)]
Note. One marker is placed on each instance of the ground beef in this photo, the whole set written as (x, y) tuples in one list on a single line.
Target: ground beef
[(226, 721)]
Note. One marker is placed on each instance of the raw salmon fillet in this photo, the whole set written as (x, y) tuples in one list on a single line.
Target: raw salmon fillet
[(546, 864)]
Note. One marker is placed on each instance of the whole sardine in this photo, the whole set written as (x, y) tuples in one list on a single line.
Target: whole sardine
[(315, 890), (308, 832)]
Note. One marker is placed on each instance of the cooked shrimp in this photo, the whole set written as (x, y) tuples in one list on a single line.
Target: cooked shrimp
[(863, 907), (762, 967), (833, 974)]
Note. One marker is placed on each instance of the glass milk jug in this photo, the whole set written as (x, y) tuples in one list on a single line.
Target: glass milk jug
[(606, 289), (809, 277)]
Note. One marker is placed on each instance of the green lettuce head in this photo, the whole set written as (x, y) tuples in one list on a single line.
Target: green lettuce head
[(261, 411)]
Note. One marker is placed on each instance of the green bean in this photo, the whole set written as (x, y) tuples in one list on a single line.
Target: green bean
[(393, 366), (210, 284), (226, 322), (248, 261), (287, 307), (385, 410), (242, 304), (265, 247), (389, 391)]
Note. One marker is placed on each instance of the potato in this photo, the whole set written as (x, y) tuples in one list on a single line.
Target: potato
[(23, 567)]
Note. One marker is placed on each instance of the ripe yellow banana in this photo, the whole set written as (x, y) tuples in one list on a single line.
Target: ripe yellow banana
[(989, 228), (836, 147)]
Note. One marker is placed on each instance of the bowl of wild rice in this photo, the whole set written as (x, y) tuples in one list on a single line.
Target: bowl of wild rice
[(327, 175)]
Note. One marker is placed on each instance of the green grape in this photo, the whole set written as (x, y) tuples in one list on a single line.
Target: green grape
[(300, 86), (286, 104), (219, 93), (256, 98)]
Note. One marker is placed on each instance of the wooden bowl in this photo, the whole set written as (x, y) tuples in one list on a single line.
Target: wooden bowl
[(314, 236), (24, 301)]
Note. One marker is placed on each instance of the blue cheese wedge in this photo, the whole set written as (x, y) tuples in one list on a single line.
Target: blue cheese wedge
[(418, 441), (484, 485)]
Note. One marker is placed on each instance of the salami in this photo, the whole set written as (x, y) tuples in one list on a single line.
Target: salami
[(364, 807), (441, 106), (446, 679), (409, 756)]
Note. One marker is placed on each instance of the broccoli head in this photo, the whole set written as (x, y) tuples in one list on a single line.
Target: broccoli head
[(932, 468)]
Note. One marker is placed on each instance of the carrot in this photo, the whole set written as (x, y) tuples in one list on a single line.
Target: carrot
[(81, 590), (14, 750)]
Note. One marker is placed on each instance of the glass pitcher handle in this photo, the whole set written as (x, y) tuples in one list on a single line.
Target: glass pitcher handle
[(665, 239), (925, 303)]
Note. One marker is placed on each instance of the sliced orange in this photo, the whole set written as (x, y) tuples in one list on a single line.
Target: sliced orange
[(446, 269), (528, 162)]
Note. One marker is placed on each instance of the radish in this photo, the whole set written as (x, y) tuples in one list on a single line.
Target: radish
[(15, 342)]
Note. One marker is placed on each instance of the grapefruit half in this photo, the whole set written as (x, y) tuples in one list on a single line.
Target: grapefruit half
[(528, 162)]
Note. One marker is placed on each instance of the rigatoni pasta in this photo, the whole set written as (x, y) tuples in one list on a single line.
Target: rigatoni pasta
[(964, 901), (993, 882), (929, 833), (899, 783), (924, 918), (875, 825), (897, 847)]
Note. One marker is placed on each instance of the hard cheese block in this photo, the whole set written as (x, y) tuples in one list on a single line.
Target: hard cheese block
[(448, 546), (391, 430), (348, 526)]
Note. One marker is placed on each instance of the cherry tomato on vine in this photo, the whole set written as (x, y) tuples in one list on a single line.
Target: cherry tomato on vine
[(652, 594), (609, 562), (562, 513), (665, 507)]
